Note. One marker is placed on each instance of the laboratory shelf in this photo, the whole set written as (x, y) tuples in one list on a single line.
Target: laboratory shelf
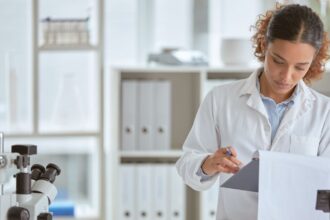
[(150, 156), (70, 48)]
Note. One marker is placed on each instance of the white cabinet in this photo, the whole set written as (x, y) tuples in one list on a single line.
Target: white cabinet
[(51, 92)]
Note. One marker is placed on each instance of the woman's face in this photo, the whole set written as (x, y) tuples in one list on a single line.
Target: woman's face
[(285, 64)]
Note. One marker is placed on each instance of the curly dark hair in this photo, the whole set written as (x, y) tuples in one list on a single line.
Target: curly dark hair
[(294, 23)]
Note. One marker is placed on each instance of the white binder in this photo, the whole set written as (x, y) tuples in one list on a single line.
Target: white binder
[(163, 115), (160, 198), (209, 202), (143, 189), (129, 115), (146, 115), (127, 200), (177, 191)]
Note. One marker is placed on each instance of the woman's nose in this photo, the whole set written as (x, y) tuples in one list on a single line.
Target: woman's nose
[(286, 74)]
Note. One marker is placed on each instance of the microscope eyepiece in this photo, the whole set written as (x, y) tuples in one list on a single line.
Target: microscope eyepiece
[(52, 170), (36, 171)]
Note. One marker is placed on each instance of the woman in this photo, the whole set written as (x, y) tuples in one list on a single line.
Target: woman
[(271, 110)]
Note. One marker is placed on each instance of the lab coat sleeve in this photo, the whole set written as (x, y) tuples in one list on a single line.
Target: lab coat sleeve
[(203, 140), (324, 148)]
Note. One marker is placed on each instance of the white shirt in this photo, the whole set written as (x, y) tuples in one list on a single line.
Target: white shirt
[(234, 115)]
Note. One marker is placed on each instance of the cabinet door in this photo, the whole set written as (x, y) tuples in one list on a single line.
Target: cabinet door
[(15, 66), (68, 92)]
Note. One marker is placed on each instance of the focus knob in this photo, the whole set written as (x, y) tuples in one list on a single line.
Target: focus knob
[(18, 213)]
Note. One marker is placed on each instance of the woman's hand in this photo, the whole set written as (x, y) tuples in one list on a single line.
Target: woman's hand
[(223, 160)]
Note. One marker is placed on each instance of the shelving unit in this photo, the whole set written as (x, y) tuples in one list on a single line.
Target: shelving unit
[(187, 93), (82, 87), (65, 81), (49, 48), (187, 85), (150, 156)]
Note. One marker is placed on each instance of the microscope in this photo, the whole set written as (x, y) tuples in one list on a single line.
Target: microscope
[(34, 190)]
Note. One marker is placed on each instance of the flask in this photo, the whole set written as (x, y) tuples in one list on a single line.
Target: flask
[(68, 112)]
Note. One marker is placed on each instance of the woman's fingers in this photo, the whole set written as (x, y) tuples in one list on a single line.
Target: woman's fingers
[(223, 169), (232, 150), (236, 161), (226, 169), (223, 160), (226, 162)]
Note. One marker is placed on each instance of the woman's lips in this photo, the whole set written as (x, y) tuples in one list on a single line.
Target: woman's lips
[(282, 85)]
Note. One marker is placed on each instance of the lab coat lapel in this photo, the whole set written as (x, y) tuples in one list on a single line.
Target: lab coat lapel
[(254, 100), (303, 104)]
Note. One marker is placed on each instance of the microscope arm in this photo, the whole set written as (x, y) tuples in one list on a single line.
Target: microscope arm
[(7, 161)]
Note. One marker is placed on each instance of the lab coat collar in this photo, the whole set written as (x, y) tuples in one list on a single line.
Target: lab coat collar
[(303, 103), (250, 87)]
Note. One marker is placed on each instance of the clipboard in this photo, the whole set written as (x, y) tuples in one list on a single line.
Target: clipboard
[(246, 179)]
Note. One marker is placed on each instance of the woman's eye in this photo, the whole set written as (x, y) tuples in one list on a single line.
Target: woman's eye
[(299, 68), (277, 61)]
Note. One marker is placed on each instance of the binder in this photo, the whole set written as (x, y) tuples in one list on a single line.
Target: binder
[(177, 207), (163, 115), (127, 196), (160, 198), (146, 115), (143, 190), (209, 202), (129, 115)]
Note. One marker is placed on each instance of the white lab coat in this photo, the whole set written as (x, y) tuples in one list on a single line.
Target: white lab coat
[(234, 114)]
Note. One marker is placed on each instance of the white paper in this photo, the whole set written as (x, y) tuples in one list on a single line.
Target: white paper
[(288, 186)]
